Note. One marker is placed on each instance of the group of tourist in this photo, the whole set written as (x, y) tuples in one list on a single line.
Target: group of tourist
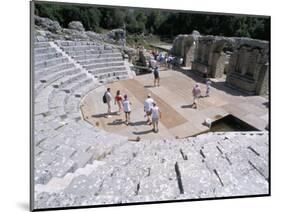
[(152, 111), (166, 60)]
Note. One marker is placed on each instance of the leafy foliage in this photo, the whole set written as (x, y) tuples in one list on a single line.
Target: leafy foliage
[(158, 22)]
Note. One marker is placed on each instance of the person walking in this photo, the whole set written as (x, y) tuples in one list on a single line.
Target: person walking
[(156, 76), (127, 109), (148, 104), (196, 92), (155, 115), (119, 101), (107, 99), (208, 87)]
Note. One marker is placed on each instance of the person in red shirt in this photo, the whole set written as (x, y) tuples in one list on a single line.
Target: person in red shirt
[(119, 101)]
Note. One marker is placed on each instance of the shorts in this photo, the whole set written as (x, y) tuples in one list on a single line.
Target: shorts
[(195, 99), (148, 113), (127, 112), (155, 120)]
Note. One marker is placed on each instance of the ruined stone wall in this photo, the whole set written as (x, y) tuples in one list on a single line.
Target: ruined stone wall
[(249, 66), (184, 46), (244, 60), (210, 58)]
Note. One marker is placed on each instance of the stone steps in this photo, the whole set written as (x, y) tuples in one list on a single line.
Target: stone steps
[(41, 44), (91, 52), (96, 56), (103, 65), (48, 56), (52, 79), (44, 50), (77, 85), (107, 70), (66, 81), (100, 60), (75, 43), (56, 69), (50, 63), (116, 75), (59, 184), (72, 102), (82, 48), (55, 76)]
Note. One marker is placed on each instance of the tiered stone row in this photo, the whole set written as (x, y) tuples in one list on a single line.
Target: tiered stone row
[(103, 61), (210, 165), (59, 86)]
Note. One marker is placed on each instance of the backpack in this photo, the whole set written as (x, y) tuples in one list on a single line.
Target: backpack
[(104, 98)]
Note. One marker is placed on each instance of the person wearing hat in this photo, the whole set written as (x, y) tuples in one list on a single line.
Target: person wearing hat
[(196, 92), (155, 115), (148, 104)]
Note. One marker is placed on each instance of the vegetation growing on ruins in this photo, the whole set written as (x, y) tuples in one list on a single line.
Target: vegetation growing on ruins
[(165, 24)]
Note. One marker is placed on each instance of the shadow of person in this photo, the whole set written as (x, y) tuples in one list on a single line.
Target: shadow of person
[(116, 122), (101, 115), (143, 132), (187, 106), (138, 123), (149, 86)]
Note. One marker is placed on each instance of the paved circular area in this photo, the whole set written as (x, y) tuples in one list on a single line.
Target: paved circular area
[(174, 99)]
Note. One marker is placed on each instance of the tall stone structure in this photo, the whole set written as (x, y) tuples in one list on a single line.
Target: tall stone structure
[(249, 66), (244, 61), (212, 55), (184, 46)]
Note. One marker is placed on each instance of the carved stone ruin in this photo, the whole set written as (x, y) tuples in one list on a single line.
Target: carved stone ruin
[(184, 46), (212, 55), (249, 66), (244, 61)]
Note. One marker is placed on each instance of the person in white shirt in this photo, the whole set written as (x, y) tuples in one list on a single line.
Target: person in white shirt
[(155, 115), (108, 101), (196, 92), (208, 87), (127, 109), (148, 104)]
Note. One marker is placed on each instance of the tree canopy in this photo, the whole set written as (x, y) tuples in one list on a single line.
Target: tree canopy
[(158, 22)]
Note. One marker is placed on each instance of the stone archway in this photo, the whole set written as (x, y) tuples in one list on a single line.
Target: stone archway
[(220, 56)]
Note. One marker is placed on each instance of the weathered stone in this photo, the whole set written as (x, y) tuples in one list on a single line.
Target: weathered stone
[(248, 68), (244, 60), (94, 36), (184, 46), (72, 34), (117, 36), (47, 24), (76, 25), (211, 55)]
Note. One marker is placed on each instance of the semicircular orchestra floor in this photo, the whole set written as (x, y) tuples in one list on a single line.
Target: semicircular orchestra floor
[(174, 99)]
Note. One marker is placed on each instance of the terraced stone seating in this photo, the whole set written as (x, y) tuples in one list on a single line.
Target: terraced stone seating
[(59, 86), (102, 61), (209, 165)]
